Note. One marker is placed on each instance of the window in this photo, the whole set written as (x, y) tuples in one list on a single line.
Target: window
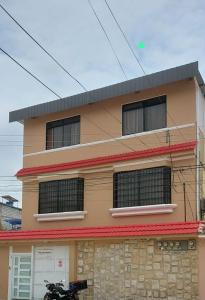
[(63, 133), (144, 115), (61, 195), (142, 187)]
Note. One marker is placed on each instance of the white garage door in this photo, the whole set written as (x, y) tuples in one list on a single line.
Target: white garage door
[(52, 264)]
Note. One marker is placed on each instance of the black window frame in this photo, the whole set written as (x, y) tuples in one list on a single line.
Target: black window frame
[(77, 192), (166, 187), (143, 104), (61, 123)]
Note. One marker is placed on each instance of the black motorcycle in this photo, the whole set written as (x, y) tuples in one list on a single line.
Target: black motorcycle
[(56, 291)]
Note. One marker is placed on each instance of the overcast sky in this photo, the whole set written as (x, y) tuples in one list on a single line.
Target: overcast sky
[(173, 33)]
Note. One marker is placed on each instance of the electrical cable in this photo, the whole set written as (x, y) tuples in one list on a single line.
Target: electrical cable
[(31, 74), (175, 169), (125, 37), (43, 48), (130, 45), (106, 133), (108, 39)]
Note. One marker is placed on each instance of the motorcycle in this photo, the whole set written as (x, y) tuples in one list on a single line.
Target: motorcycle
[(56, 291)]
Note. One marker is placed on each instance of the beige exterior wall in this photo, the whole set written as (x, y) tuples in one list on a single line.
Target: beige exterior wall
[(101, 122), (133, 143), (4, 273), (98, 198)]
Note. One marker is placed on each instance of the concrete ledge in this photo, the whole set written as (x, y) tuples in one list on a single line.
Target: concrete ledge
[(73, 215), (143, 210)]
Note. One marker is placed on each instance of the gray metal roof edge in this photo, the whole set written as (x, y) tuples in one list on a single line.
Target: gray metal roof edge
[(126, 87)]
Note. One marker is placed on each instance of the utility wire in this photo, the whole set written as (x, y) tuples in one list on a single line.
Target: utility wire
[(125, 37), (46, 51), (103, 31), (175, 169), (31, 74), (108, 39), (132, 50), (157, 143)]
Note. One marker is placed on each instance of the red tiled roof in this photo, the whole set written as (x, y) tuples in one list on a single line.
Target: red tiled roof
[(108, 159), (181, 228)]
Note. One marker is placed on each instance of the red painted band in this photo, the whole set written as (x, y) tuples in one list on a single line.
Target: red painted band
[(108, 159)]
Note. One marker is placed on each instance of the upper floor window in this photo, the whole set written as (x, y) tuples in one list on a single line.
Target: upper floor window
[(63, 133), (142, 187), (61, 195), (144, 115)]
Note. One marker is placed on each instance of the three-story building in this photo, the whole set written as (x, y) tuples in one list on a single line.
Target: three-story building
[(113, 192)]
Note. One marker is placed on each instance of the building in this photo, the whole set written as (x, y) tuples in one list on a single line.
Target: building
[(10, 215), (113, 192)]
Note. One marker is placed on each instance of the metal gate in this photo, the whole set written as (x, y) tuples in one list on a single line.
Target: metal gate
[(21, 276)]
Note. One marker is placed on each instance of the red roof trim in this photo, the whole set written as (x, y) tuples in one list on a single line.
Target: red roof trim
[(107, 159), (164, 229)]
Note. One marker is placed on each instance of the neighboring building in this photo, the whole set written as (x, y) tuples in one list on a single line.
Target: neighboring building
[(112, 192), (10, 215)]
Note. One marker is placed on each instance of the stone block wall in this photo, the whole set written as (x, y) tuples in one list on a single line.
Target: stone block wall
[(137, 270)]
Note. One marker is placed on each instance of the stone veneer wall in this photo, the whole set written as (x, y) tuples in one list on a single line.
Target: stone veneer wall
[(136, 270)]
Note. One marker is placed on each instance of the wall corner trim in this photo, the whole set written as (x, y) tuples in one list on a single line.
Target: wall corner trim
[(143, 210)]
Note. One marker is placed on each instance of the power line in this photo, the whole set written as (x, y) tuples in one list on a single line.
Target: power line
[(58, 141), (46, 51), (129, 45), (108, 39), (175, 169), (125, 37), (93, 181), (133, 51), (31, 74), (108, 133)]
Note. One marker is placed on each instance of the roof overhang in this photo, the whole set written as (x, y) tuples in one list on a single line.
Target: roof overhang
[(128, 231), (123, 88)]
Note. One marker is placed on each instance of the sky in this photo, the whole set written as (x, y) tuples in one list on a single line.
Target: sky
[(173, 33)]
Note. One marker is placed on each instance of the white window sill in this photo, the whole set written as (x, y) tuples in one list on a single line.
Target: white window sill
[(73, 215), (142, 210)]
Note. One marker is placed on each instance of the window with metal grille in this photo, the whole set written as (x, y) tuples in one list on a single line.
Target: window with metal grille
[(61, 195), (63, 133), (142, 187), (145, 115)]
